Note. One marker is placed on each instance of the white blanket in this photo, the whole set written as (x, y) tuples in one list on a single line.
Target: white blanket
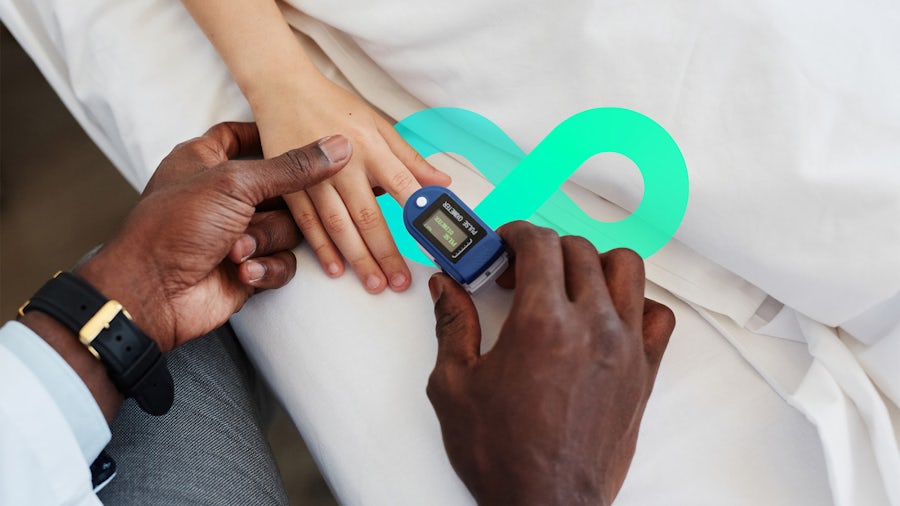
[(786, 116)]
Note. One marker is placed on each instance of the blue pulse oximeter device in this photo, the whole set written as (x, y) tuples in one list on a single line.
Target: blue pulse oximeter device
[(457, 240)]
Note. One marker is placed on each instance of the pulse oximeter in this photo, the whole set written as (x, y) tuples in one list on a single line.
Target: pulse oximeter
[(457, 240)]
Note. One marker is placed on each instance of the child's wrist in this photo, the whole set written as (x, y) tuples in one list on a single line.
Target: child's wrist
[(281, 88)]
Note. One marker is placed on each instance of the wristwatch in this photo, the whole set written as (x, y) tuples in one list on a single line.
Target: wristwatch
[(133, 361)]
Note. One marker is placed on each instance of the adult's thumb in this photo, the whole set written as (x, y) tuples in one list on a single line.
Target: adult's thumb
[(295, 170), (457, 327)]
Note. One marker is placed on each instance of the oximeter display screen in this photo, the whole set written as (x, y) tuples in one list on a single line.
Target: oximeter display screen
[(449, 227), (445, 231)]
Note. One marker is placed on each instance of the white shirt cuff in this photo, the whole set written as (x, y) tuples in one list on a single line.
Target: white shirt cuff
[(63, 384)]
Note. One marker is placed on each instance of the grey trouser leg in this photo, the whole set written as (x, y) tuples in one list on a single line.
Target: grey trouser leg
[(210, 448)]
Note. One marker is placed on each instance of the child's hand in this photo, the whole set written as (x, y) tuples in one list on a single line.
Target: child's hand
[(340, 215)]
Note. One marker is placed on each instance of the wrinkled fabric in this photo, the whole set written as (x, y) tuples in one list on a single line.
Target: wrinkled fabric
[(778, 386)]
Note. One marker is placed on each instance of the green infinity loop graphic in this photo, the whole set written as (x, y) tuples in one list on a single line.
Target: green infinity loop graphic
[(528, 187)]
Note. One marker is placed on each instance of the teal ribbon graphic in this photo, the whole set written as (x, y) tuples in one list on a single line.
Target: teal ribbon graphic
[(528, 187)]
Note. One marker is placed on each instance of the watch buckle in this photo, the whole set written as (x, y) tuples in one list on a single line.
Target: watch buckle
[(98, 323)]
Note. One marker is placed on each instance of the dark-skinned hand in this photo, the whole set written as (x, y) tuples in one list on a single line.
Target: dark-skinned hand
[(199, 243), (551, 414)]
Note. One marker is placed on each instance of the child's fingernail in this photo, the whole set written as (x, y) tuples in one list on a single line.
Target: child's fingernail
[(373, 282), (398, 280)]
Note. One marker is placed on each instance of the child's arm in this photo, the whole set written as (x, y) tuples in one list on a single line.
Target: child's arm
[(294, 104)]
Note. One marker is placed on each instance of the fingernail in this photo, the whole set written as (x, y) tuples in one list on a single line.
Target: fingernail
[(333, 269), (255, 270), (336, 148), (397, 280), (436, 288), (373, 282), (246, 246)]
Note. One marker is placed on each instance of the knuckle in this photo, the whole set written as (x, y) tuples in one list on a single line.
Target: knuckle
[(323, 249), (445, 383), (625, 257), (217, 131), (335, 223), (201, 148), (543, 319), (229, 129), (623, 260), (552, 323), (449, 322), (192, 146), (229, 179), (183, 148), (527, 233), (438, 387), (368, 218), (616, 341), (387, 257), (577, 242), (436, 383), (510, 229), (266, 236), (299, 161), (609, 327), (662, 317), (361, 261), (546, 234), (402, 180), (307, 220), (522, 233)]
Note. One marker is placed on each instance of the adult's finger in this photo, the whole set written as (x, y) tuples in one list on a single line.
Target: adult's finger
[(268, 272), (235, 139), (298, 169), (624, 271), (457, 327), (539, 261), (659, 323), (273, 204), (219, 144), (269, 232), (584, 274), (507, 280)]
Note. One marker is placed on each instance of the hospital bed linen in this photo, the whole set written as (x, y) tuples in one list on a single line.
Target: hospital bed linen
[(790, 231)]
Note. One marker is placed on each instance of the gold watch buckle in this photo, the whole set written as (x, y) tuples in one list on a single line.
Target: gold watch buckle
[(98, 323)]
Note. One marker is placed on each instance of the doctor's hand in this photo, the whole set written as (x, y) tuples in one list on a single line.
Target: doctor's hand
[(196, 246), (551, 414), (340, 217)]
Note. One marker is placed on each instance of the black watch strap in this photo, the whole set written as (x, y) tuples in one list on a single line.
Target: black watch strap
[(134, 362)]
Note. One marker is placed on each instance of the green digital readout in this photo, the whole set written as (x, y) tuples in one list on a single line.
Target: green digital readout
[(450, 229), (445, 230)]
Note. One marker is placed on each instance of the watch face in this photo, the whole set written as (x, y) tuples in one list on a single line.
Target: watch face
[(449, 228)]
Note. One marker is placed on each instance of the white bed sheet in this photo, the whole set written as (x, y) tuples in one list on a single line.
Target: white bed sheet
[(728, 421)]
